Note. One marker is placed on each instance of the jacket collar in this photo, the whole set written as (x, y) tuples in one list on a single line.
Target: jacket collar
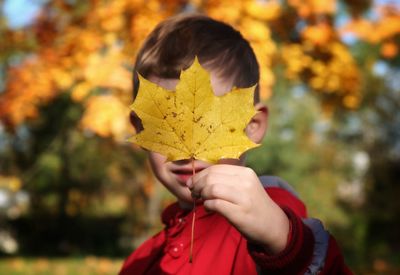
[(173, 213)]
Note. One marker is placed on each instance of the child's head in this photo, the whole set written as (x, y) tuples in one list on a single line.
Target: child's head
[(170, 48), (173, 44)]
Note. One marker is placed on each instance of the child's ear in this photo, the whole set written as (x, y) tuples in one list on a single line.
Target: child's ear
[(136, 122), (258, 125)]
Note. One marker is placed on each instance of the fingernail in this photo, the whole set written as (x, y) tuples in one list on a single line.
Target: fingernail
[(206, 207)]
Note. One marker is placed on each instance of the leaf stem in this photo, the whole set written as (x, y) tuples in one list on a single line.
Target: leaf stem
[(193, 219)]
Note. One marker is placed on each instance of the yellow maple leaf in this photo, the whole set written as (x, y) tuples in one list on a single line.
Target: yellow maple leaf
[(193, 123)]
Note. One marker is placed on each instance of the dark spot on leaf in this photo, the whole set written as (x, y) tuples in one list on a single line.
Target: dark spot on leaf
[(232, 130), (158, 133), (174, 114), (197, 119)]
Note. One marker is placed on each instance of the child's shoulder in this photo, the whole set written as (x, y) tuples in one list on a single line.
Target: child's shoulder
[(283, 194)]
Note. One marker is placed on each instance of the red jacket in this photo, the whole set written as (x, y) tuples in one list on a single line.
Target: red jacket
[(220, 249)]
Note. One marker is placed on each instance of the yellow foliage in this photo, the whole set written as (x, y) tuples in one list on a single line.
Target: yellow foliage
[(250, 18), (263, 10), (106, 116), (12, 183), (61, 266), (389, 49), (111, 15), (106, 70), (85, 54), (80, 91), (227, 11), (292, 55), (306, 8), (89, 40), (351, 101), (113, 23), (193, 123), (336, 75), (27, 86), (319, 34), (254, 30), (268, 79), (62, 79), (387, 26), (84, 57)]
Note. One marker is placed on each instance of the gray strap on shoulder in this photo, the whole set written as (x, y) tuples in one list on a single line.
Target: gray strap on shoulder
[(321, 238), (272, 181)]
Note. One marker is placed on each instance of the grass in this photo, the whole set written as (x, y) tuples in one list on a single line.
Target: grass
[(60, 266)]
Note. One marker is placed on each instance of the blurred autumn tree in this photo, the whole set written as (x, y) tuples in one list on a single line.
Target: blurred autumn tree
[(65, 81)]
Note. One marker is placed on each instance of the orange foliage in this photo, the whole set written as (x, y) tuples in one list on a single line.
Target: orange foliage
[(384, 29), (374, 32), (319, 34), (331, 72), (105, 70), (389, 49), (362, 28), (79, 56), (263, 10), (251, 18), (106, 116), (28, 86), (307, 8), (90, 49), (11, 183)]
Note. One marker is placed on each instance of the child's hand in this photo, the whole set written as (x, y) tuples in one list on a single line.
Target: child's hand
[(236, 193)]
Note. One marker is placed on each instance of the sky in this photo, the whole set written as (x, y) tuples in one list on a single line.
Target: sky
[(20, 13)]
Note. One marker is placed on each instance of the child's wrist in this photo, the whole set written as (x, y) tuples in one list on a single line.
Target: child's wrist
[(274, 233), (279, 233)]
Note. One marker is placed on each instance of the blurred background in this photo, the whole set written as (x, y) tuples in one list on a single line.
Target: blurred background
[(76, 198)]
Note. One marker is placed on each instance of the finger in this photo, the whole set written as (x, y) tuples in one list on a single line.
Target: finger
[(225, 208), (213, 179), (220, 169), (196, 177), (224, 192)]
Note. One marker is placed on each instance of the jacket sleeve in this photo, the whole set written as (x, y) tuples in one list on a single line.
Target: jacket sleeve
[(310, 250)]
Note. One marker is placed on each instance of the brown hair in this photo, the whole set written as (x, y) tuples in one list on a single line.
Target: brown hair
[(173, 44)]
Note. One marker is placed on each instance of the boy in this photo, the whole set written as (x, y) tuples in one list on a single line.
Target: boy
[(246, 224)]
